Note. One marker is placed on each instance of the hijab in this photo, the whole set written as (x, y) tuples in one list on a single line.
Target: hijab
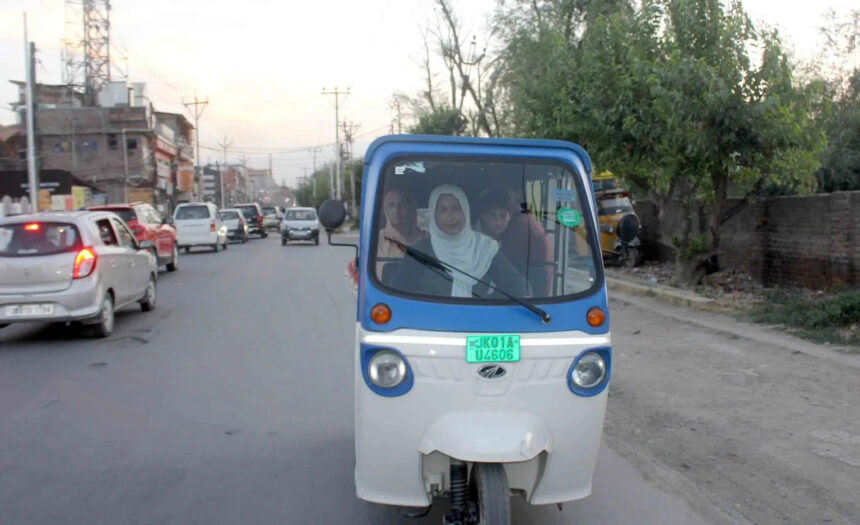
[(467, 250)]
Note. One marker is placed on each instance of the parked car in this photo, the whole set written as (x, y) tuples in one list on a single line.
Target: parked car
[(199, 224), (253, 214), (237, 227), (300, 224), (271, 218), (148, 225), (73, 266)]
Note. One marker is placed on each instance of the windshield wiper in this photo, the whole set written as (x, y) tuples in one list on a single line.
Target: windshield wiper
[(437, 264)]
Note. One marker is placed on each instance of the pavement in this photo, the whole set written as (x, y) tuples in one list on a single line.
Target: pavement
[(232, 403)]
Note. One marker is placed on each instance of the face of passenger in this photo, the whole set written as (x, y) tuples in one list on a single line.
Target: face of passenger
[(449, 214), (397, 210), (495, 221)]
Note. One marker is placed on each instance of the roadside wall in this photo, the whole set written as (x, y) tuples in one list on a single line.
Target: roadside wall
[(810, 241)]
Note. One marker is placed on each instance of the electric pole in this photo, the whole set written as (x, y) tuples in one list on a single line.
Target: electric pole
[(337, 101), (349, 128), (224, 145), (198, 107), (32, 175)]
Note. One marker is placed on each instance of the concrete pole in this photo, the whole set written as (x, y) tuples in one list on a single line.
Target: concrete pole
[(32, 176)]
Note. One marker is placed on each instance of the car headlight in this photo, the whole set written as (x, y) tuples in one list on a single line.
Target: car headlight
[(386, 369), (607, 228), (589, 370)]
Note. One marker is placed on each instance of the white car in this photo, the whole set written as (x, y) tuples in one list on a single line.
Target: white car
[(76, 266), (199, 224)]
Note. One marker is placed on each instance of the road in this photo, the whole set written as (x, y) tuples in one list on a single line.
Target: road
[(230, 403)]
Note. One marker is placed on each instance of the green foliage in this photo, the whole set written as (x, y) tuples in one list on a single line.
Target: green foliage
[(667, 94), (840, 160), (441, 121), (823, 316), (691, 249)]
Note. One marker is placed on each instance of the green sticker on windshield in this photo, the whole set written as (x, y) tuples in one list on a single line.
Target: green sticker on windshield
[(568, 217)]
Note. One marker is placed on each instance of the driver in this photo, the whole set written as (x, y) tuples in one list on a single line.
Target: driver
[(454, 242)]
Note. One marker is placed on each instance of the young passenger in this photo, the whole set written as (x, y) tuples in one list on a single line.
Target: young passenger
[(454, 242), (401, 225)]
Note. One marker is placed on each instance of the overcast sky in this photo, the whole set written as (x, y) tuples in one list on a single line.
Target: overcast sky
[(264, 63)]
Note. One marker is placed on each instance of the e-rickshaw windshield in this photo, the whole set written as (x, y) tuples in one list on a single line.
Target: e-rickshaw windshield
[(483, 230)]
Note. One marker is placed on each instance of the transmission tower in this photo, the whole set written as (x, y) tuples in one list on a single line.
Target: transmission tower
[(86, 46)]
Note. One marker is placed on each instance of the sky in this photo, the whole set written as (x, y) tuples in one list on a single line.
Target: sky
[(263, 64)]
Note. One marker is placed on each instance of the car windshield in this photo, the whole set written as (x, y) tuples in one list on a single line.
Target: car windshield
[(229, 215), (520, 227), (192, 212), (27, 239), (269, 211), (250, 212), (612, 206), (126, 214), (301, 215)]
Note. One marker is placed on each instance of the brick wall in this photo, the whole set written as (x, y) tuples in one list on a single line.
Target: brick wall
[(811, 241)]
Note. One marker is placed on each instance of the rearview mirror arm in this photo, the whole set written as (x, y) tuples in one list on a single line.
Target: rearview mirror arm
[(346, 245)]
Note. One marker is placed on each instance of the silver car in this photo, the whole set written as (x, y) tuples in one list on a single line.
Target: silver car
[(76, 266)]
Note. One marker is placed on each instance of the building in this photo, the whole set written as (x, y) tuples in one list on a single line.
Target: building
[(13, 148), (121, 145), (261, 184)]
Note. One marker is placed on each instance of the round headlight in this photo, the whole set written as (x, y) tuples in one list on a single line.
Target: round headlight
[(386, 369), (589, 370)]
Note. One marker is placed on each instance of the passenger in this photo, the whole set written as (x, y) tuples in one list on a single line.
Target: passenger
[(454, 242), (401, 224), (524, 242)]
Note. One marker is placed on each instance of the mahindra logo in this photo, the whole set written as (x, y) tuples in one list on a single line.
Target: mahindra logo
[(492, 371)]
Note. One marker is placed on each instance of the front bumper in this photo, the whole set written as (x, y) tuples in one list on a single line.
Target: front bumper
[(300, 234), (80, 301)]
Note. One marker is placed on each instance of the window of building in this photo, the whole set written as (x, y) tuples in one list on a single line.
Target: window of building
[(113, 143), (131, 144)]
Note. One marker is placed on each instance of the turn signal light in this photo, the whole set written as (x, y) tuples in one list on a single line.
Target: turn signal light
[(85, 263), (380, 314), (595, 317)]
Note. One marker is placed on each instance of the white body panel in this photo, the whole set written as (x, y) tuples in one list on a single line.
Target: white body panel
[(198, 231), (546, 436)]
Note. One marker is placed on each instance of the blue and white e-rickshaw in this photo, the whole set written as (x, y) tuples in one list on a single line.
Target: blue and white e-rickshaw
[(493, 393)]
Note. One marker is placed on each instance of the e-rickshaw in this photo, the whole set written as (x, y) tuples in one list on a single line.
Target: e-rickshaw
[(481, 365)]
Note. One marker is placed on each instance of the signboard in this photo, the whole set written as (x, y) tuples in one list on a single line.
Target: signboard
[(140, 195), (45, 201), (185, 176), (81, 197), (126, 114)]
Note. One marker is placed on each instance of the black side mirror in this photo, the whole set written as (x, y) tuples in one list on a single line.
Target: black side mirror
[(332, 214)]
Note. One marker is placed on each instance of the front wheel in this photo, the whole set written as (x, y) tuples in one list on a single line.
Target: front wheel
[(489, 497), (147, 304), (283, 241), (632, 257), (173, 265), (264, 234), (317, 241), (216, 248)]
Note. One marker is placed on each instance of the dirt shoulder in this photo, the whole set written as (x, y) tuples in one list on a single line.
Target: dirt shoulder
[(749, 425)]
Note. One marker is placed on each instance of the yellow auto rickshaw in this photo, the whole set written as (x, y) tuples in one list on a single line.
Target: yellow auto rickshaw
[(619, 225)]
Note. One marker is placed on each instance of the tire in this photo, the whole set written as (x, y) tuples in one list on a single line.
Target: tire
[(225, 244), (216, 247), (633, 258), (489, 495), (147, 304), (244, 238), (317, 241), (264, 234), (104, 326), (188, 249), (283, 241), (4, 325), (173, 265)]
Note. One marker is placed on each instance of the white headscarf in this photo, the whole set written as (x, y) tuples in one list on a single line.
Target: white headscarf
[(467, 250)]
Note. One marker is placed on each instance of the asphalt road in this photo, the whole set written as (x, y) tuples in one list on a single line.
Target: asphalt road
[(230, 403)]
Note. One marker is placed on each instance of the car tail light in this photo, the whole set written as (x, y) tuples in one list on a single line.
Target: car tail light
[(259, 219), (212, 227), (85, 263), (34, 227)]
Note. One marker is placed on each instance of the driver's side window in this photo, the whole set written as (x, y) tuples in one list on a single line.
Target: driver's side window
[(126, 239)]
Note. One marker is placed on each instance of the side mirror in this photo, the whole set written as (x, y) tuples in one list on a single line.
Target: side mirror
[(332, 214), (168, 221)]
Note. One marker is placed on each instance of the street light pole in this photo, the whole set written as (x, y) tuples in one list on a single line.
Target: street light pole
[(32, 176)]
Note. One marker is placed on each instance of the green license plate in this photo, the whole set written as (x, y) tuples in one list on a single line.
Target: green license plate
[(497, 348)]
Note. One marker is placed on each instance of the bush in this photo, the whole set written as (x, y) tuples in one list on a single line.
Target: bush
[(804, 310)]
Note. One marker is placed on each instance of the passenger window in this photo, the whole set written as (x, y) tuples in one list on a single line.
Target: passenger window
[(125, 237), (106, 233)]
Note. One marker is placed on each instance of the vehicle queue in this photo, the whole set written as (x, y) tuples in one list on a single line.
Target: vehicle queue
[(82, 266)]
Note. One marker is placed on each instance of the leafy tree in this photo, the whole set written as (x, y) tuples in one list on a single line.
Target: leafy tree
[(444, 120)]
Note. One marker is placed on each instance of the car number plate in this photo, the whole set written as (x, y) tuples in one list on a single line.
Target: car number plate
[(496, 348), (29, 310)]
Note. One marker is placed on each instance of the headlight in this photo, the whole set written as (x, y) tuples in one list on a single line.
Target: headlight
[(607, 228), (589, 370), (386, 369)]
